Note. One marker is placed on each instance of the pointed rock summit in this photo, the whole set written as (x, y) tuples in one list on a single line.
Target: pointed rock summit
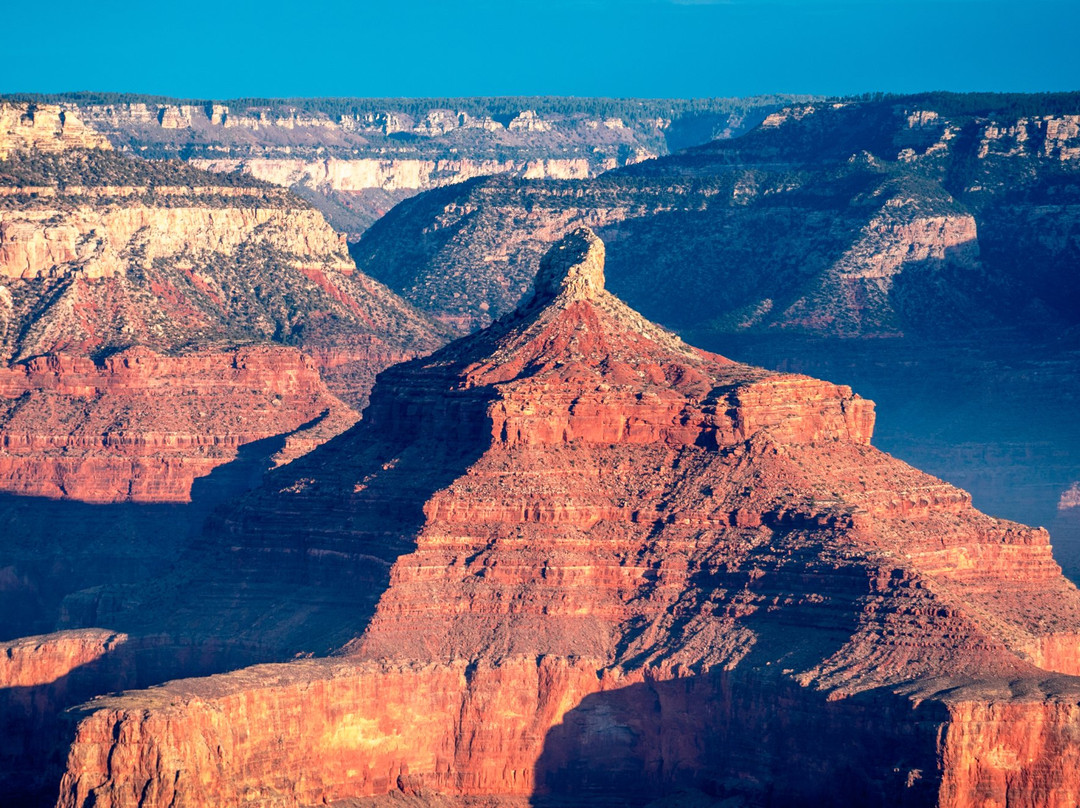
[(572, 560), (573, 268)]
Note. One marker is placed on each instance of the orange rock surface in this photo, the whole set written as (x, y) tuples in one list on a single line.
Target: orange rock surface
[(140, 426), (610, 569)]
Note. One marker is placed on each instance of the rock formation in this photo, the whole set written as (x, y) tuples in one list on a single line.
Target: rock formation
[(47, 127), (863, 218), (921, 249), (613, 568), (166, 336), (125, 289), (356, 158), (141, 427)]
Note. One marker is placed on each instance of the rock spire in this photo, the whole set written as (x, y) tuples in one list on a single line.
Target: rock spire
[(574, 268)]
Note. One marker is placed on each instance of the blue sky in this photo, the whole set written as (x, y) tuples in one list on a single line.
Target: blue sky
[(644, 48)]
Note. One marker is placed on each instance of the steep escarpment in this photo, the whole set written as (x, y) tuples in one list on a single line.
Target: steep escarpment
[(914, 215), (140, 426), (46, 127), (163, 269), (691, 258), (42, 676), (355, 158), (632, 570)]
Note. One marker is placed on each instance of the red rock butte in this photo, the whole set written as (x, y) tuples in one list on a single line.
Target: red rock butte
[(613, 569)]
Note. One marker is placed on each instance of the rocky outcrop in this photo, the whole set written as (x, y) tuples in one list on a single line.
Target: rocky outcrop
[(614, 567), (1065, 531), (141, 427), (1053, 136), (868, 243), (859, 291), (39, 678), (92, 242), (42, 676), (177, 261), (45, 127)]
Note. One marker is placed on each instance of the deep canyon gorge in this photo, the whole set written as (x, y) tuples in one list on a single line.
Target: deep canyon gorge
[(351, 452)]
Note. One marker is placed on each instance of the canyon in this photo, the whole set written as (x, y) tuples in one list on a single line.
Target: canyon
[(856, 219), (566, 557), (166, 336), (919, 248), (354, 159), (596, 560), (111, 266)]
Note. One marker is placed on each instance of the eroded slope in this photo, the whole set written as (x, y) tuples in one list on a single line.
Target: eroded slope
[(638, 569)]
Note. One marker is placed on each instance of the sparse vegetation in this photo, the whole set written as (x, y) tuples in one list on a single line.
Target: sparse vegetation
[(501, 108), (99, 167)]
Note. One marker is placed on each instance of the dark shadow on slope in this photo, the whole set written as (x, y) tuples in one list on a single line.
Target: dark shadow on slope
[(696, 269), (298, 565), (65, 561), (741, 738), (54, 548), (32, 733), (752, 734)]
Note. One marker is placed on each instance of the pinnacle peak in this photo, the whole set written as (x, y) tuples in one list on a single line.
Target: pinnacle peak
[(574, 267)]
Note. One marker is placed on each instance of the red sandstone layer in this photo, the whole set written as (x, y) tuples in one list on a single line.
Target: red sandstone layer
[(140, 426), (614, 568)]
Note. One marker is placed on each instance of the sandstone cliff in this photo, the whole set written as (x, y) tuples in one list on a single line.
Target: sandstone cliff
[(612, 567), (102, 254), (48, 127), (42, 676), (141, 426), (356, 158)]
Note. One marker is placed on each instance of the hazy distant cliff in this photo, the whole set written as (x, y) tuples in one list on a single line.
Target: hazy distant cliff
[(356, 158), (913, 214)]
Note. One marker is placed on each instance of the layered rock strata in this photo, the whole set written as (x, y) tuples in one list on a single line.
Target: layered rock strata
[(638, 570), (42, 676), (141, 427), (921, 249), (48, 127), (183, 266), (916, 216), (357, 158)]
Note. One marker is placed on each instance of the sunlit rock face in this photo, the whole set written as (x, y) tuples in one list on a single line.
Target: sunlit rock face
[(155, 318), (919, 249), (142, 427), (610, 567), (46, 127)]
